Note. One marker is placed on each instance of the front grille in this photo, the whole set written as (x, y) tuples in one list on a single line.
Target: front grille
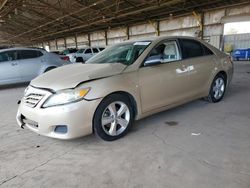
[(32, 99)]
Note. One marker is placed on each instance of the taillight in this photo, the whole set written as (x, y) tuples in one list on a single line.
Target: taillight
[(230, 59), (65, 58)]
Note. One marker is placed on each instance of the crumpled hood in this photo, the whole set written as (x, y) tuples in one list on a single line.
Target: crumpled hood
[(70, 76)]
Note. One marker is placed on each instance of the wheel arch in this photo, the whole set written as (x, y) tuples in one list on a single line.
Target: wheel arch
[(49, 68), (224, 74), (126, 94)]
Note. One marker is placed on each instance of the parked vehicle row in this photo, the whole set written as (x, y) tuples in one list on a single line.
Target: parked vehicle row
[(68, 51), (62, 56), (84, 54), (79, 55), (125, 82)]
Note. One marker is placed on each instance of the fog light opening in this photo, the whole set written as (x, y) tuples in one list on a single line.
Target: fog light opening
[(62, 129)]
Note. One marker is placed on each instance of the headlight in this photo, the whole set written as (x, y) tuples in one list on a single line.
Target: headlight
[(26, 91), (66, 96)]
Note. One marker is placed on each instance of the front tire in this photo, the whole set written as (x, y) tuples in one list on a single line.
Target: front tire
[(79, 60), (217, 89), (113, 117)]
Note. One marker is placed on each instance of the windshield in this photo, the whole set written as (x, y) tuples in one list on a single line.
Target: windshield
[(122, 53), (80, 51)]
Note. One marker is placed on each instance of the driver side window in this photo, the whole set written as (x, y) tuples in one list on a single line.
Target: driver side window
[(8, 56), (164, 53)]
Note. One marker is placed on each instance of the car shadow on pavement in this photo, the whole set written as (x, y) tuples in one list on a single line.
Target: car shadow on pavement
[(234, 90), (168, 117)]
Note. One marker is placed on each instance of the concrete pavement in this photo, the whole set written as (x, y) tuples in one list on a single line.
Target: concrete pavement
[(195, 145)]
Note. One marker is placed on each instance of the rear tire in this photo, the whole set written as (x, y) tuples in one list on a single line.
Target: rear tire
[(217, 89), (113, 117)]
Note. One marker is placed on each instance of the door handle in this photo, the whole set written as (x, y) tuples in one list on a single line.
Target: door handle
[(179, 71), (185, 69), (182, 69), (190, 68), (13, 64)]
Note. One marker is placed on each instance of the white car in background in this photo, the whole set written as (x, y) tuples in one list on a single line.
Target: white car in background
[(71, 57), (69, 53), (84, 54), (19, 65)]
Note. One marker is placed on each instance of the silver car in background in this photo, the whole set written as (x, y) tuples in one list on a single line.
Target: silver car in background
[(19, 65)]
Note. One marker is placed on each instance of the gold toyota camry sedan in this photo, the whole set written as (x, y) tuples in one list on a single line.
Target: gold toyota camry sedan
[(123, 83)]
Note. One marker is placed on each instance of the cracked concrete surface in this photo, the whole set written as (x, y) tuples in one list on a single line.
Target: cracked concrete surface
[(154, 154)]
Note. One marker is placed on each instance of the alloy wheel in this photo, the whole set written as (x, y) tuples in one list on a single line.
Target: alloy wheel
[(115, 118), (219, 88)]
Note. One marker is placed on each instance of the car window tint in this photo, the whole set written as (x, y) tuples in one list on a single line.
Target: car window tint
[(95, 50), (55, 52), (191, 48), (8, 56), (88, 51), (123, 53), (207, 51), (72, 50), (39, 54), (65, 52), (29, 54), (165, 52), (80, 51), (101, 49)]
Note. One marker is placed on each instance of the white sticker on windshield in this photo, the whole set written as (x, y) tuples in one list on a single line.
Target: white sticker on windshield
[(142, 43)]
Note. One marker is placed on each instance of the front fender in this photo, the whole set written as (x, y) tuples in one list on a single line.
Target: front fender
[(103, 87)]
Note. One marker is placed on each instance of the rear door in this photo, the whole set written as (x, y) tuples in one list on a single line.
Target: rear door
[(95, 51), (30, 62), (9, 67), (199, 62)]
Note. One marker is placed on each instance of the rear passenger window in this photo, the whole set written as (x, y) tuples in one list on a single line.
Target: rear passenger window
[(39, 54), (191, 48), (29, 54), (207, 51), (101, 49), (88, 51), (95, 50)]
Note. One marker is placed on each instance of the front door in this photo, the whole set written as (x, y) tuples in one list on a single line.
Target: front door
[(9, 67), (162, 79)]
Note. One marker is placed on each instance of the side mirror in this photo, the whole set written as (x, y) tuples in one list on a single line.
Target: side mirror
[(153, 60)]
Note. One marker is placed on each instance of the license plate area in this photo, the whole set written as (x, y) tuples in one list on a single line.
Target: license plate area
[(29, 122)]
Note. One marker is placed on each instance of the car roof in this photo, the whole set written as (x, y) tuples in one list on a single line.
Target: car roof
[(158, 39), (21, 48)]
